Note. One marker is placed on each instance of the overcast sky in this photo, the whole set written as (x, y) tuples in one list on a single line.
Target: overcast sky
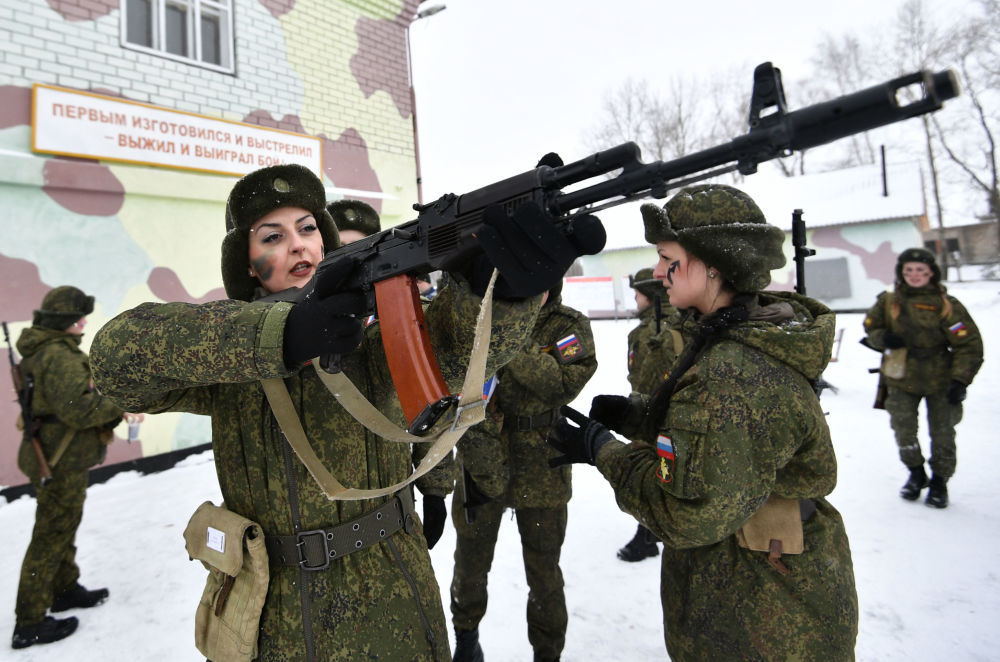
[(500, 82)]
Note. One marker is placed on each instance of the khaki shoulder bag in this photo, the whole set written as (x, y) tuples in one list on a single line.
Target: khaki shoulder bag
[(232, 548)]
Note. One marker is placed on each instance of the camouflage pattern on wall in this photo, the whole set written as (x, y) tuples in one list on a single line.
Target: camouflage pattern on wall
[(126, 233)]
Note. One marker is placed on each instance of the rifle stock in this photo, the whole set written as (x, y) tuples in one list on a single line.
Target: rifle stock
[(442, 237)]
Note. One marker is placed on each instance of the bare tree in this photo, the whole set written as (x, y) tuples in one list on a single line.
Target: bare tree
[(970, 142), (689, 115), (845, 65)]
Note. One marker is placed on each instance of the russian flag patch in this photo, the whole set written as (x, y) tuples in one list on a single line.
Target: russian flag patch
[(665, 449), (958, 329), (569, 347)]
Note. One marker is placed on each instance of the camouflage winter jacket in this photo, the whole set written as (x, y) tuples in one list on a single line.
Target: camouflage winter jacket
[(743, 424), (939, 349), (380, 602), (63, 398), (650, 353), (509, 453)]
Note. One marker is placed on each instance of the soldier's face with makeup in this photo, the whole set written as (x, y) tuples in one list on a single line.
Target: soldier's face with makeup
[(285, 247), (684, 276)]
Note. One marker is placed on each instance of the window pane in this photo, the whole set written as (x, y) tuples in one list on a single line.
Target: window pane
[(211, 40), (140, 23), (176, 28)]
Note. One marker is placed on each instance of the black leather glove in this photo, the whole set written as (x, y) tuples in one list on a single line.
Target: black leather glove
[(609, 410), (956, 392), (531, 254), (892, 341), (328, 319), (579, 442), (435, 514)]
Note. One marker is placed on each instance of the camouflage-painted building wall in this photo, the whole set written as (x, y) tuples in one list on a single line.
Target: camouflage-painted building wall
[(128, 233)]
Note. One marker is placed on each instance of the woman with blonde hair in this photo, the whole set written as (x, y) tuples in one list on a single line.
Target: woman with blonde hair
[(939, 350)]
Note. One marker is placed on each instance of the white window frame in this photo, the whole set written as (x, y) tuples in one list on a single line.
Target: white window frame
[(223, 9)]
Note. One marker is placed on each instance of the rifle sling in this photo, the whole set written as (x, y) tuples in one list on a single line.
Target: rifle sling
[(61, 448), (443, 437)]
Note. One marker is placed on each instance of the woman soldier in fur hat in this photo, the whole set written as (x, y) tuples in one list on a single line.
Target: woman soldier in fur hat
[(943, 352), (379, 601), (738, 458)]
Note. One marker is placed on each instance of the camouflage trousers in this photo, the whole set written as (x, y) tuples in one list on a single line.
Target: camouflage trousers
[(942, 417), (49, 566), (542, 533)]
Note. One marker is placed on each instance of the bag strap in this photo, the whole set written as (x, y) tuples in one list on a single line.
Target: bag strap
[(61, 448), (444, 435)]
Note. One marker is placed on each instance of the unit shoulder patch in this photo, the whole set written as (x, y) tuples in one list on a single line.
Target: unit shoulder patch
[(569, 349)]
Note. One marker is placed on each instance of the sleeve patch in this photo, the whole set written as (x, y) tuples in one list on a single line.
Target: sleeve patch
[(959, 329), (665, 449), (569, 348)]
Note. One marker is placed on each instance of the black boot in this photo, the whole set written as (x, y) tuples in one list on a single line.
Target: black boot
[(641, 546), (49, 630), (916, 482), (937, 495), (78, 598), (542, 658), (467, 648)]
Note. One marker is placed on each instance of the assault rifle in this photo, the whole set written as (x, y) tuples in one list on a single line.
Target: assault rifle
[(23, 386), (444, 233)]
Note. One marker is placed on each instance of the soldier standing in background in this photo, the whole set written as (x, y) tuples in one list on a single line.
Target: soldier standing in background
[(737, 458), (505, 462), (652, 346), (941, 351), (76, 425), (354, 219), (326, 599)]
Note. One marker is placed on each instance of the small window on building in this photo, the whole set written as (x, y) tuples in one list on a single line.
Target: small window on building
[(827, 280), (195, 31)]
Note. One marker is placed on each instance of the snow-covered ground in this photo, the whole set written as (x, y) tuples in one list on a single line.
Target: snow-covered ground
[(927, 579)]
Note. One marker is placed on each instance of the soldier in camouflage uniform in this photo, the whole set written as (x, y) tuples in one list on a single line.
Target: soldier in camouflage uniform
[(382, 600), (652, 346), (77, 418), (737, 456), (654, 343), (943, 353), (508, 457)]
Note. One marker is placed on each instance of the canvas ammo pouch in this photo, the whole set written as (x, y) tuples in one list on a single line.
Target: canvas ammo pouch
[(777, 529), (232, 548), (894, 363)]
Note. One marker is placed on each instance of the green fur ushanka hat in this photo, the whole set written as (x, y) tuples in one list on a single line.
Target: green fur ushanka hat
[(354, 215), (256, 194), (61, 307), (644, 283), (724, 228), (918, 255)]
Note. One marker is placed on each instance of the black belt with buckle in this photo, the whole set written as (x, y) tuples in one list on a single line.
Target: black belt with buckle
[(313, 550), (525, 423)]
